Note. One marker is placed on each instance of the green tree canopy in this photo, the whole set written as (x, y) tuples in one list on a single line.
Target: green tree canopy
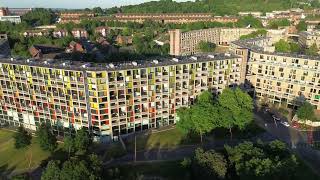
[(306, 111), (39, 16), (209, 164), (52, 171), (47, 139), (258, 33), (206, 46), (301, 26), (275, 24), (249, 21), (199, 118), (262, 161), (82, 141), (235, 109), (22, 138)]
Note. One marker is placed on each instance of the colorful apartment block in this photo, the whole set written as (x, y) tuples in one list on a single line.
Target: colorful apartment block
[(109, 99)]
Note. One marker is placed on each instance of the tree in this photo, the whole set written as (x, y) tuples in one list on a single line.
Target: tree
[(235, 109), (209, 164), (69, 144), (249, 21), (312, 50), (206, 46), (282, 46), (199, 118), (52, 171), (262, 161), (306, 111), (258, 33), (275, 24), (82, 141), (22, 138), (301, 26), (39, 16), (47, 139)]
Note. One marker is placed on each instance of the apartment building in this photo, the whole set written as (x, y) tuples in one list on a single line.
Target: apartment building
[(280, 77), (186, 43), (164, 18), (308, 38), (12, 19), (108, 99)]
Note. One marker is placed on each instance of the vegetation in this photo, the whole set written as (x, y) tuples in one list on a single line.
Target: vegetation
[(12, 159), (275, 24), (306, 112), (209, 164), (312, 50), (199, 118), (22, 138), (262, 161), (249, 21), (74, 168), (206, 46), (301, 26), (287, 47), (47, 140), (216, 7), (39, 16), (233, 108), (82, 141), (258, 33)]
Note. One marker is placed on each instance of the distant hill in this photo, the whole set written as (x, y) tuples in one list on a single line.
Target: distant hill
[(217, 7)]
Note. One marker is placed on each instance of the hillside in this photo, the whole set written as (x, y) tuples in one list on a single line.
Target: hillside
[(217, 7)]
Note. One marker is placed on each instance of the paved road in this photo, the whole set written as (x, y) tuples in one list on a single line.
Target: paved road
[(297, 140)]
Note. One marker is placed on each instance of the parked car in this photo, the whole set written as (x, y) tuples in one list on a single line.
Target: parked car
[(285, 123)]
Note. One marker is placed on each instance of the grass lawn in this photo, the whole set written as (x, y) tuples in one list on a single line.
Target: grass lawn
[(166, 139), (13, 159)]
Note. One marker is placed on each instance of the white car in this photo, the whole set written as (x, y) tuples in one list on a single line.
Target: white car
[(285, 123)]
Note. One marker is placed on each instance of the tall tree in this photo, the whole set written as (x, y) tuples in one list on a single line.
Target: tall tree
[(199, 118), (47, 139), (22, 138), (236, 109), (52, 171), (69, 144), (209, 165), (82, 141)]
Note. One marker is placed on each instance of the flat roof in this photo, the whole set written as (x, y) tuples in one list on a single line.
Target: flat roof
[(116, 66), (248, 44)]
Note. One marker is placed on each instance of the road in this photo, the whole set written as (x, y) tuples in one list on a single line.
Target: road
[(296, 140)]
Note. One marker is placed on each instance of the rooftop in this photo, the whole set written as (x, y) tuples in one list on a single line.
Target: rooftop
[(250, 44), (81, 66)]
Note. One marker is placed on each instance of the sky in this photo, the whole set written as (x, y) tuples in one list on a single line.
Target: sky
[(73, 4)]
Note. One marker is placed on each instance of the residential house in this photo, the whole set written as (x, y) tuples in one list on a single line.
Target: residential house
[(124, 40), (80, 33), (102, 30), (60, 33), (45, 51)]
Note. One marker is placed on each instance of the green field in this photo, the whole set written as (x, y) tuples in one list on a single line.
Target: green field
[(22, 159)]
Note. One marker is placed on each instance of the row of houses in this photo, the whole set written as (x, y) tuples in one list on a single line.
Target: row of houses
[(59, 33)]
